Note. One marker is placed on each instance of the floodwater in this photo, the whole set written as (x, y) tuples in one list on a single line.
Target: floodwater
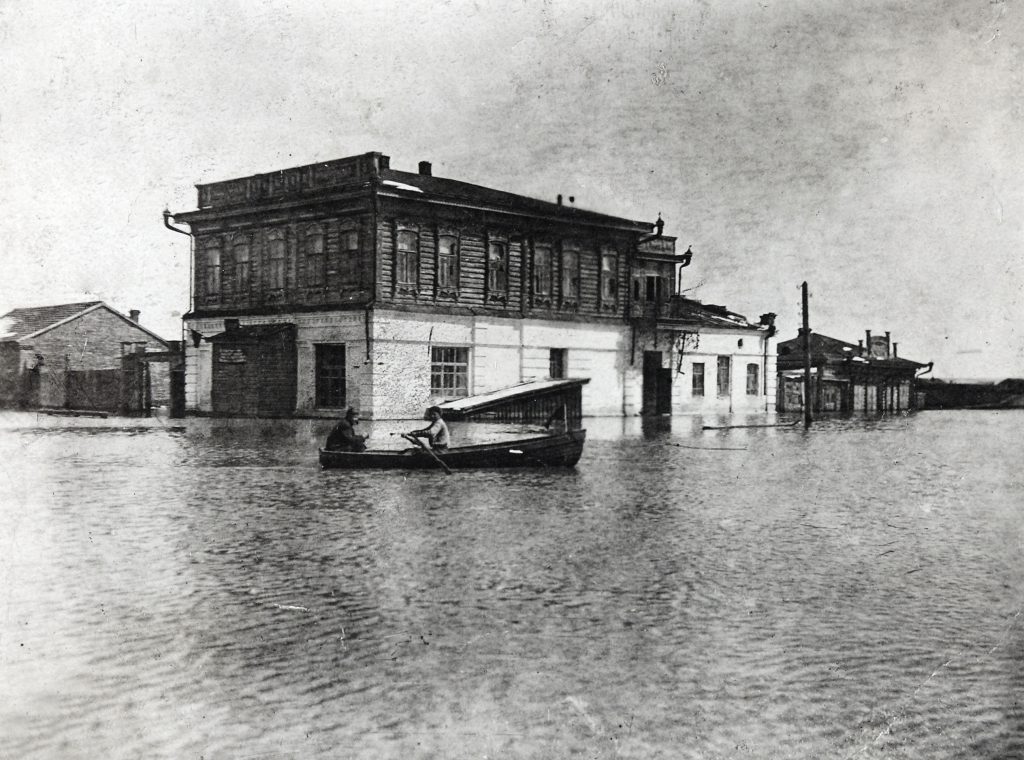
[(199, 589)]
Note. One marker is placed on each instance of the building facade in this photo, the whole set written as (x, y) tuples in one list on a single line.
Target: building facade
[(351, 283), (79, 355), (867, 377)]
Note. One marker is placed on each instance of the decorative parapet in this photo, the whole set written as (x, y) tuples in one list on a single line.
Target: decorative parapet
[(290, 182)]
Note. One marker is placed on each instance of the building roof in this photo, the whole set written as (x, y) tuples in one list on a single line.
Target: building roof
[(439, 189), (371, 173), (832, 350), (516, 393), (19, 325), (712, 315)]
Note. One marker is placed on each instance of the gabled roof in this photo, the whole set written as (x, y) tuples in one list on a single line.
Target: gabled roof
[(24, 324), (19, 324)]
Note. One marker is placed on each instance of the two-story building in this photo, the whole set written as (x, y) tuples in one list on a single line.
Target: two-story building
[(348, 282)]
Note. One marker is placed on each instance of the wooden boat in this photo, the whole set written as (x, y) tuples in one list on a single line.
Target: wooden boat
[(556, 450), (550, 401)]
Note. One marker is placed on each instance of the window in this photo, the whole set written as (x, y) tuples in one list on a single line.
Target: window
[(653, 288), (243, 270), (213, 268), (542, 270), (570, 276), (349, 268), (330, 376), (753, 373), (609, 275), (497, 269), (557, 363), (316, 264), (447, 263), (277, 259), (407, 261), (698, 378), (449, 371), (724, 369)]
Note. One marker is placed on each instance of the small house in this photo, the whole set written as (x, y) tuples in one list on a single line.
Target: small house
[(83, 355), (867, 376)]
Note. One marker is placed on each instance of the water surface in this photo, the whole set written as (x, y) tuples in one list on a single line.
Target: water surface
[(198, 588)]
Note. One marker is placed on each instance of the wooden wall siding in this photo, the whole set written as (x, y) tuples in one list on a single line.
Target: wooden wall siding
[(473, 277), (344, 278), (472, 271)]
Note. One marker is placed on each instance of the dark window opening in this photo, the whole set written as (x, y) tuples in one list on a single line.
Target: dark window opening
[(330, 376), (557, 362)]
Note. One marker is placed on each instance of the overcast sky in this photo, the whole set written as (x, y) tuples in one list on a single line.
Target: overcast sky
[(874, 149)]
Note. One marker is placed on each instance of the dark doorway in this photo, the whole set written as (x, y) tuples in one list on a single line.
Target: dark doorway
[(657, 388)]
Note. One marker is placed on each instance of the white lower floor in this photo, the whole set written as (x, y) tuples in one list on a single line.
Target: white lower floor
[(392, 364)]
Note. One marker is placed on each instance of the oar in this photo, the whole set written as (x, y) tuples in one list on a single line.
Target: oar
[(427, 449)]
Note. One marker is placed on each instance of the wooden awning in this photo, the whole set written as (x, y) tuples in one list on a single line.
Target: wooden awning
[(538, 401)]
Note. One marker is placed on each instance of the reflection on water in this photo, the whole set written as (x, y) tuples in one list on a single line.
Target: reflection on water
[(203, 590)]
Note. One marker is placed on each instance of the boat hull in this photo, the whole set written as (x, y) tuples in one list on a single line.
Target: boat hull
[(562, 450)]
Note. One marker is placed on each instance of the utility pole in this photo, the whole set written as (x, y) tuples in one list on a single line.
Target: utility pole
[(805, 332)]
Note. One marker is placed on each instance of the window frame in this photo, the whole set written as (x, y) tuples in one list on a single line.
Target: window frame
[(609, 274), (212, 281), (407, 260), (316, 261), (497, 270), (569, 279), (543, 276), (325, 397), (558, 363), (277, 266), (697, 389), (449, 371), (242, 282), (753, 379), (348, 268), (447, 264), (724, 388)]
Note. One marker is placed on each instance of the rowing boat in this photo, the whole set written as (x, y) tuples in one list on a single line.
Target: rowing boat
[(558, 450)]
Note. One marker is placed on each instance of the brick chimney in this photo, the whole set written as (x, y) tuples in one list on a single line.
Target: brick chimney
[(425, 168), (133, 315)]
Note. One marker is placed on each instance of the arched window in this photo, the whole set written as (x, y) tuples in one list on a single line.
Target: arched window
[(407, 258), (212, 252), (243, 271), (447, 262), (316, 264), (276, 260)]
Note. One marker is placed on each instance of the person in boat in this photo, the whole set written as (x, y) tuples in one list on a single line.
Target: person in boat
[(344, 436), (436, 432)]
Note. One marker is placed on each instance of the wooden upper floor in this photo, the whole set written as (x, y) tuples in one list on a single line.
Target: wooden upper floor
[(354, 232)]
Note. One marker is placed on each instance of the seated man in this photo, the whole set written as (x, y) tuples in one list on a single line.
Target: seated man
[(344, 437), (436, 432)]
